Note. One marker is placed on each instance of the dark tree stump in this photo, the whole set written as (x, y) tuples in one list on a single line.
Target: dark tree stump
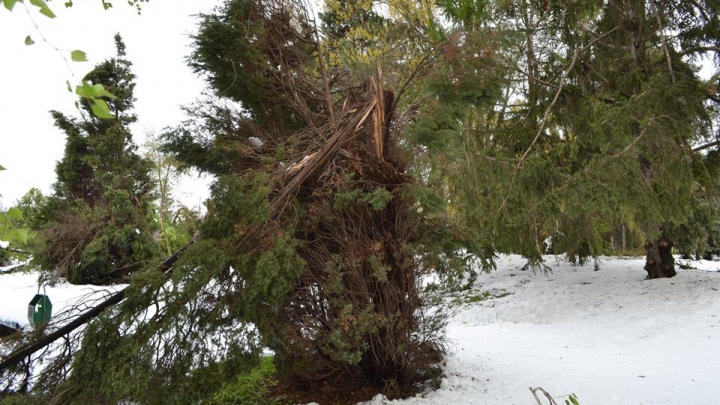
[(659, 262)]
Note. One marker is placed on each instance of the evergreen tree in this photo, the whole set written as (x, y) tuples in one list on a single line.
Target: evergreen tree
[(94, 228), (593, 129)]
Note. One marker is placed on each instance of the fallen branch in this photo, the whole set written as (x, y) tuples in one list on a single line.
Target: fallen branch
[(114, 299), (547, 395)]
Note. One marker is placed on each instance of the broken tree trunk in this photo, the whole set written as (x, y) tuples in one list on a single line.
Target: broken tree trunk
[(277, 206), (659, 262)]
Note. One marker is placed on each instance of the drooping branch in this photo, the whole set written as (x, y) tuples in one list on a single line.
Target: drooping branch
[(665, 41)]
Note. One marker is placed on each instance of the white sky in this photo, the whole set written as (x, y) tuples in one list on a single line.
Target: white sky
[(32, 79)]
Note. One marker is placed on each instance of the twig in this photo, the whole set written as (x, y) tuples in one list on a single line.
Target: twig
[(706, 146), (559, 90), (552, 104), (665, 45), (37, 28), (326, 85), (547, 395)]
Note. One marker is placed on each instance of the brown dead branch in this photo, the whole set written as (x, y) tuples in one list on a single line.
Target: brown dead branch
[(534, 391)]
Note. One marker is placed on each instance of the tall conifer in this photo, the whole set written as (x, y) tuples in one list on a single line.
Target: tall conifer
[(96, 227)]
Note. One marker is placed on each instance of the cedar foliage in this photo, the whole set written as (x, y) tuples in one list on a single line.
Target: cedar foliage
[(94, 228), (332, 282), (310, 245)]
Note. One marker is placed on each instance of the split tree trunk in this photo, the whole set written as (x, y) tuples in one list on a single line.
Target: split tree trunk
[(659, 262)]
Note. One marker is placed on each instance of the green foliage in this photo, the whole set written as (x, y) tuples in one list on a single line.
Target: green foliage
[(95, 228), (250, 387), (474, 296), (42, 8), (10, 228), (572, 400), (234, 29), (78, 56), (18, 399), (377, 198), (592, 139), (8, 231)]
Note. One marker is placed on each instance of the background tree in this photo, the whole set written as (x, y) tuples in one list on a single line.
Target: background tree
[(174, 221), (94, 228), (594, 129)]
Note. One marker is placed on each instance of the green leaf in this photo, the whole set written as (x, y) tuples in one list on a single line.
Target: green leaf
[(101, 109), (99, 89), (47, 12), (19, 235), (78, 56), (68, 86), (28, 40), (2, 168), (44, 9), (9, 4), (68, 4), (14, 213), (92, 91), (573, 399)]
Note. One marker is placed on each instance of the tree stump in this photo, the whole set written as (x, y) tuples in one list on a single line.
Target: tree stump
[(659, 262)]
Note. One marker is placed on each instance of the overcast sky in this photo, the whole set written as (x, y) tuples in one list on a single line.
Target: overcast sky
[(32, 79)]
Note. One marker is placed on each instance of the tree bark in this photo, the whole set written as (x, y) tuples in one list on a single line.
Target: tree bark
[(659, 262)]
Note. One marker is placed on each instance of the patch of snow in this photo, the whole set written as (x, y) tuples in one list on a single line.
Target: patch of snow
[(17, 289), (608, 336)]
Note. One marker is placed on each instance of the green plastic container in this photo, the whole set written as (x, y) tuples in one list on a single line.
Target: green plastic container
[(39, 310)]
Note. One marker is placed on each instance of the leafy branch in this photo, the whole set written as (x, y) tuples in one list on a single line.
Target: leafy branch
[(93, 92)]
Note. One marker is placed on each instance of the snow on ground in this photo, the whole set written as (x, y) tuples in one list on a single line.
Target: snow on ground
[(609, 336), (17, 289)]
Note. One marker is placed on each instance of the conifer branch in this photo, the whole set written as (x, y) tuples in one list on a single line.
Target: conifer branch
[(665, 42), (557, 94), (17, 356), (706, 146), (550, 107)]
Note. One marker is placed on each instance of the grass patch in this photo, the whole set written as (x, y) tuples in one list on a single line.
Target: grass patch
[(473, 296), (253, 387)]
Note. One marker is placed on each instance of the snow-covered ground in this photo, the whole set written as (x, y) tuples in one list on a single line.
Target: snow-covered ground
[(610, 336), (17, 289)]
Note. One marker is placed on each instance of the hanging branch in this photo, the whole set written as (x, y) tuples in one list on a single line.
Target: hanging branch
[(560, 86), (665, 42)]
